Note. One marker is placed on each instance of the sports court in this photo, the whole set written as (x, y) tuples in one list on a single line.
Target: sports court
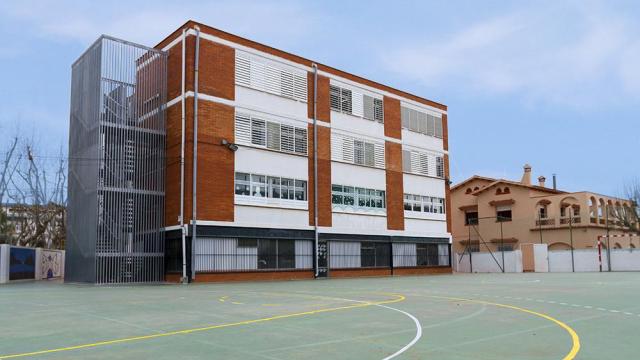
[(462, 316)]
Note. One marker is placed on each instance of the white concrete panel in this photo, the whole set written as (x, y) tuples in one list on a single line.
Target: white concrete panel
[(483, 262), (422, 185), (356, 223), (256, 216), (270, 103), (361, 176), (625, 260), (357, 126), (541, 258), (421, 141), (426, 227), (265, 162)]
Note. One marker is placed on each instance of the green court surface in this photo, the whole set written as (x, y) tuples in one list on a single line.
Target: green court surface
[(470, 316)]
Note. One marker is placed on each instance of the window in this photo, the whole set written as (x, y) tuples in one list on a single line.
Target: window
[(243, 184), (357, 151), (351, 102), (505, 247), (247, 243), (427, 254), (422, 163), (374, 254), (439, 167), (428, 204), (503, 213), (251, 130), (272, 187), (421, 122), (258, 132), (349, 197), (278, 79), (542, 212), (471, 218)]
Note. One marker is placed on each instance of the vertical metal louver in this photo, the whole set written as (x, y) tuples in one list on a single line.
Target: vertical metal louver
[(116, 168)]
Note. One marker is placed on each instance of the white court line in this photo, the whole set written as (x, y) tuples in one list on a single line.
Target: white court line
[(415, 339)]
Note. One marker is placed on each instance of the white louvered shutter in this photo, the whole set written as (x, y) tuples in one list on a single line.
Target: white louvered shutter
[(405, 116), (432, 165), (243, 129), (423, 164), (379, 155), (258, 75), (348, 152), (356, 103), (300, 87), (367, 104), (430, 124), (336, 147), (286, 138), (406, 160), (438, 126), (243, 70), (272, 80), (415, 162)]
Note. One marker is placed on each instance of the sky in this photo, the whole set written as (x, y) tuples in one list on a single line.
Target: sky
[(552, 83)]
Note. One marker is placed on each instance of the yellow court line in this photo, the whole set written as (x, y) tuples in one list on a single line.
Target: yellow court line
[(212, 327), (574, 336)]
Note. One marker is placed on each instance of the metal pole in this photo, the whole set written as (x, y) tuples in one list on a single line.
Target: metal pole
[(606, 207), (195, 150), (315, 165), (182, 140), (502, 245), (470, 253), (600, 253), (573, 266)]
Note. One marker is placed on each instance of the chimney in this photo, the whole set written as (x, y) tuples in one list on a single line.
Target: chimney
[(541, 180), (526, 177), (554, 182)]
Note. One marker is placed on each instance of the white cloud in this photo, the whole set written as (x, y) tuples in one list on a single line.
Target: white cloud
[(148, 22), (534, 52)]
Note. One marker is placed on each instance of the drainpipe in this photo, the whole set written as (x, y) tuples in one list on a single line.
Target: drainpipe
[(182, 228), (315, 164), (195, 150)]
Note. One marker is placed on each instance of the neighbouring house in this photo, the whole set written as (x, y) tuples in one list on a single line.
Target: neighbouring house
[(498, 214)]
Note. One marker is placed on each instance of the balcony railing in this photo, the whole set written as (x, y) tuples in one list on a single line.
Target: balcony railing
[(545, 222), (566, 220)]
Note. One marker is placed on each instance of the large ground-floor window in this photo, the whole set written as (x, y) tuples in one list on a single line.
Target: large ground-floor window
[(231, 254), (367, 254)]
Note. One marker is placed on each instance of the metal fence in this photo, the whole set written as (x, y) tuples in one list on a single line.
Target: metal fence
[(116, 164)]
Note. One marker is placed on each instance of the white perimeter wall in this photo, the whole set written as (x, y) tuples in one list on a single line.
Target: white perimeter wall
[(484, 263)]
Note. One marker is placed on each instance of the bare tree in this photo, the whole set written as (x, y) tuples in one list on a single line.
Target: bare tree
[(629, 217), (39, 200)]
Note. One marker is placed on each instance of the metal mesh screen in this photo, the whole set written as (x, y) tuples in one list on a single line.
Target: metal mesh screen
[(116, 171)]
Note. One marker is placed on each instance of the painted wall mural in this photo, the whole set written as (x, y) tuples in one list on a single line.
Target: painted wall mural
[(22, 264), (50, 264)]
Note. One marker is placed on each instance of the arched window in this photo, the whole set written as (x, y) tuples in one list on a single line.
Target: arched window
[(469, 191), (617, 246), (506, 191), (476, 188), (498, 191), (632, 246)]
